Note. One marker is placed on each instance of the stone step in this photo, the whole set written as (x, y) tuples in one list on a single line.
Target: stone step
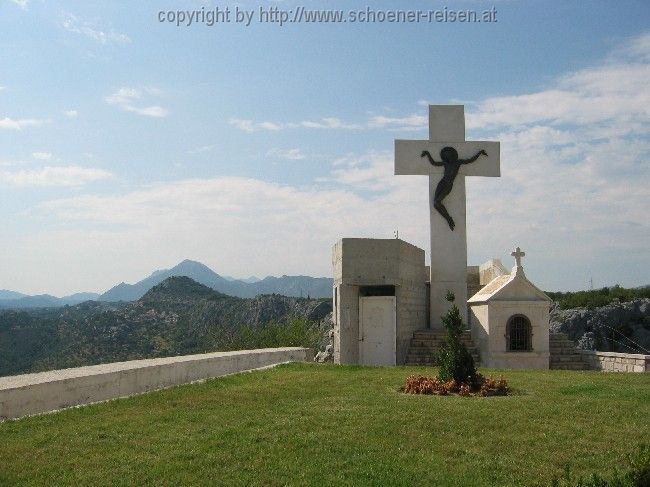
[(426, 343), (430, 353), (437, 333), (430, 358), (423, 343)]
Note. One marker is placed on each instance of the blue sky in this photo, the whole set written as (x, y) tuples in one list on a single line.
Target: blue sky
[(127, 144)]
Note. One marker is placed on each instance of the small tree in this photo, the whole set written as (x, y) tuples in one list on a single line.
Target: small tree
[(455, 360)]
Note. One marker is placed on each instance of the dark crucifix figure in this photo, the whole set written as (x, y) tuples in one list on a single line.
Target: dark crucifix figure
[(452, 164)]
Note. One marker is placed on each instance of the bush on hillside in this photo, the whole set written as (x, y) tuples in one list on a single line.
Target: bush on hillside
[(598, 297), (298, 332)]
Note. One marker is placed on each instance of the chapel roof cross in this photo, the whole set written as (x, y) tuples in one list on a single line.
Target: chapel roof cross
[(518, 254)]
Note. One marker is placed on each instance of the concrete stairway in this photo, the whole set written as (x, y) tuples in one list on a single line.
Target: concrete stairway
[(563, 354), (426, 343)]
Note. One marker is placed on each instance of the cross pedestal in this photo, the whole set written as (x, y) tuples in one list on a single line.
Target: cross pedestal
[(448, 246)]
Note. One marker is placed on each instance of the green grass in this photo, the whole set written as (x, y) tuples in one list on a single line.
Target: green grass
[(327, 425)]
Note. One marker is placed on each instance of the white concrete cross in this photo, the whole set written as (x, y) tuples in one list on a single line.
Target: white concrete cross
[(448, 233), (518, 254)]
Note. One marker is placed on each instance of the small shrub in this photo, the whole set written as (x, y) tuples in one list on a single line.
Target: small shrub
[(455, 360)]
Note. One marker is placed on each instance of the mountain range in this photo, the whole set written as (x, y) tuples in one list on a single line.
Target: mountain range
[(178, 316), (293, 286), (15, 300)]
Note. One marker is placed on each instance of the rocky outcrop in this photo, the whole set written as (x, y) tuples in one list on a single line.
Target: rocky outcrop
[(617, 327), (326, 349)]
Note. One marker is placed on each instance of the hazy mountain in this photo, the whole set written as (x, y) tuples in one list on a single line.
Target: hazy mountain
[(23, 301), (296, 286), (248, 280), (5, 294), (189, 268), (251, 279), (299, 286), (79, 298), (293, 286), (38, 301)]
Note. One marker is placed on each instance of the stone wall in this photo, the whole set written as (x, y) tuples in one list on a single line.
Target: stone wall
[(22, 395), (616, 362)]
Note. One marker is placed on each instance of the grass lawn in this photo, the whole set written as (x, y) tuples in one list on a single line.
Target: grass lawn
[(328, 425)]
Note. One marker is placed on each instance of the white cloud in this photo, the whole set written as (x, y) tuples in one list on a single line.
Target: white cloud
[(42, 156), (241, 223), (126, 99), (373, 171), (21, 3), (74, 24), (323, 123), (610, 92), (52, 176), (637, 48), (13, 124), (71, 113), (327, 123), (250, 126), (289, 154), (201, 149), (11, 163), (150, 111), (2, 88), (410, 122)]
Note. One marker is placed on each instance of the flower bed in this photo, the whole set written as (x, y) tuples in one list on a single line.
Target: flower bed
[(482, 386)]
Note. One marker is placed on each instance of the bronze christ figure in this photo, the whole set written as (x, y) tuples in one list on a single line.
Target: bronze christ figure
[(452, 164)]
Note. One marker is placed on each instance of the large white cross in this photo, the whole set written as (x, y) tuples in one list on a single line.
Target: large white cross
[(448, 247)]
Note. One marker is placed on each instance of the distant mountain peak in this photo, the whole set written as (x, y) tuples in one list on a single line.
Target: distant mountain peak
[(192, 263), (178, 287)]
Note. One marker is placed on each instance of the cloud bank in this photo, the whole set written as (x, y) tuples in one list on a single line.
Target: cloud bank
[(573, 195)]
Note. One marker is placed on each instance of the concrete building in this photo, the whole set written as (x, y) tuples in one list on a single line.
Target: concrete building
[(380, 299)]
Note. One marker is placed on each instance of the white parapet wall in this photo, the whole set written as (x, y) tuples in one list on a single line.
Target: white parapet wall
[(616, 362), (22, 395)]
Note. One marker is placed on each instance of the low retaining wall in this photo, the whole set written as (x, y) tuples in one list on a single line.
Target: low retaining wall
[(22, 395), (616, 362)]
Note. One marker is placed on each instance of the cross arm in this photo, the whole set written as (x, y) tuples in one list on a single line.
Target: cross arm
[(408, 158)]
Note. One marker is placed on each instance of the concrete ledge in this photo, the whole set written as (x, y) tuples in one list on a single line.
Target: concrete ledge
[(616, 362), (22, 395)]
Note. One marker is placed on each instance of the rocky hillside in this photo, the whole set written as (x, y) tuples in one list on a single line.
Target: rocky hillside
[(178, 316), (615, 327)]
